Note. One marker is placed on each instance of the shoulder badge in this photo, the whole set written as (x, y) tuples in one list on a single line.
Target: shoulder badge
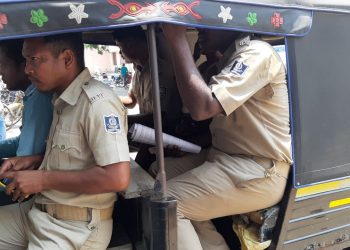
[(238, 68), (112, 123)]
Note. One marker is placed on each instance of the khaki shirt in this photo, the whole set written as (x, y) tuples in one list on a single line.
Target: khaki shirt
[(88, 129), (252, 90), (141, 88)]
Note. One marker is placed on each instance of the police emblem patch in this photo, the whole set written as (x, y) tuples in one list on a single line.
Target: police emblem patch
[(239, 68), (112, 123)]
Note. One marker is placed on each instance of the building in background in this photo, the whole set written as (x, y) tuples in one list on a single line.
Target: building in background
[(107, 62)]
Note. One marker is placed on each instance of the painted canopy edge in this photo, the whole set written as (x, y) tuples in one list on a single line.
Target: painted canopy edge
[(27, 18)]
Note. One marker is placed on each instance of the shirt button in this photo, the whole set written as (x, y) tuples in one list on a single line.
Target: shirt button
[(58, 111), (86, 83), (63, 147)]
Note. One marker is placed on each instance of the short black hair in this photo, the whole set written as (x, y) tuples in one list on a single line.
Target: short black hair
[(130, 32), (12, 49), (73, 41)]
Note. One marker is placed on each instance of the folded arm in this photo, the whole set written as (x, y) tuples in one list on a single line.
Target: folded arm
[(195, 93), (95, 180)]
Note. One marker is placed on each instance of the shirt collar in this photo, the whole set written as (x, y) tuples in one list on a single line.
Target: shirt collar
[(71, 94), (30, 90), (236, 46), (143, 67)]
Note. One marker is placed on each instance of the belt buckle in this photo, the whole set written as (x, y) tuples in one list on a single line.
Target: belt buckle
[(50, 209)]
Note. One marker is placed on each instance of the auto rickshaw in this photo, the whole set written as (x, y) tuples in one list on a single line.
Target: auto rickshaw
[(315, 211)]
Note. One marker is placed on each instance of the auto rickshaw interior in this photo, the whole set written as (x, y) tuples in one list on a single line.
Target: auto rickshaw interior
[(129, 211), (317, 80)]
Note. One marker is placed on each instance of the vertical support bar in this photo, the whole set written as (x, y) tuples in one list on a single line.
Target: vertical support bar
[(160, 212), (160, 185)]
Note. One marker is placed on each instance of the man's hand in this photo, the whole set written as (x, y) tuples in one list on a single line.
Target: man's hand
[(24, 183), (20, 163)]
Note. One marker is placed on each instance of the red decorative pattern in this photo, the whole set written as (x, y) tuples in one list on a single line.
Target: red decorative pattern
[(181, 8), (135, 9), (3, 20), (277, 20), (132, 9)]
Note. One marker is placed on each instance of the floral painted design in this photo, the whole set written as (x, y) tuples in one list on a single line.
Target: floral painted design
[(3, 20), (252, 18), (38, 17)]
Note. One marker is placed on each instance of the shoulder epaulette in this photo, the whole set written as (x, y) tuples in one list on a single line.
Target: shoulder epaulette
[(94, 91)]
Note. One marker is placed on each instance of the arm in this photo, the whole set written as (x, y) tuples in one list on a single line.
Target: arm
[(129, 101), (95, 180), (110, 178), (195, 93), (21, 163)]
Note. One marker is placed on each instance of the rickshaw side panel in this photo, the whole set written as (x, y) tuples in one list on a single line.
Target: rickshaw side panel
[(318, 209), (319, 83)]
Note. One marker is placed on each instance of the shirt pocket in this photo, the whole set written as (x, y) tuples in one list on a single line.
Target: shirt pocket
[(66, 151)]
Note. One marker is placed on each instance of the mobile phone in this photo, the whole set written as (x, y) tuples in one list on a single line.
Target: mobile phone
[(3, 183)]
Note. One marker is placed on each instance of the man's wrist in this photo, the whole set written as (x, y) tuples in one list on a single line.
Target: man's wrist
[(45, 175), (38, 160)]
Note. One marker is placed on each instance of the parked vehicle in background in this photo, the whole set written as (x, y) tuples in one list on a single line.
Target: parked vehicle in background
[(13, 112), (12, 106)]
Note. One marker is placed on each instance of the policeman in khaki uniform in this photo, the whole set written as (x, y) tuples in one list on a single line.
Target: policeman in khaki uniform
[(133, 45), (86, 160), (134, 49), (247, 166), (141, 88)]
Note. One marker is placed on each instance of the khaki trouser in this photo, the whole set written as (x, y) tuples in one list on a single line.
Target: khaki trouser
[(221, 185), (24, 226)]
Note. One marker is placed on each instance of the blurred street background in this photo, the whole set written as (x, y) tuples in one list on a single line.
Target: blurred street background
[(121, 91)]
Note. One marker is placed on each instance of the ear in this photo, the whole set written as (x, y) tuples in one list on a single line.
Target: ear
[(68, 57)]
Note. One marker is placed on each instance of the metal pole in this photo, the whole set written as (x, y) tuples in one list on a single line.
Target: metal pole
[(160, 185), (159, 212)]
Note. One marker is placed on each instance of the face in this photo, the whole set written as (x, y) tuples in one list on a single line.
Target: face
[(45, 70), (12, 73), (126, 59), (130, 50), (211, 40)]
